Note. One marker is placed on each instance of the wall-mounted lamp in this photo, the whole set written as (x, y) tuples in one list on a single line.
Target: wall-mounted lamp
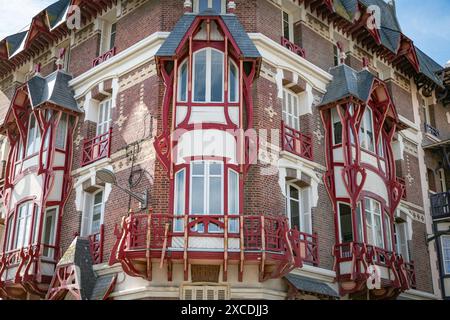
[(108, 176)]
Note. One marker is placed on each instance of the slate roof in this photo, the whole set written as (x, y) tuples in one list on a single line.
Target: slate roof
[(310, 285), (348, 82), (429, 67), (56, 12), (14, 42), (243, 41), (92, 287), (54, 88)]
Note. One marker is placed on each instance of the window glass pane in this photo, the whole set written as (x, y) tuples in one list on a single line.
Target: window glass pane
[(294, 193), (402, 240), (295, 214), (200, 76), (369, 129), (98, 198), (34, 137), (179, 192), (215, 196), (113, 36), (337, 127), (198, 168), (345, 213), (369, 223), (61, 132), (233, 192), (216, 76), (49, 232), (183, 82), (202, 5), (286, 26), (359, 222), (215, 169), (446, 253), (197, 195), (387, 227), (217, 5), (234, 82)]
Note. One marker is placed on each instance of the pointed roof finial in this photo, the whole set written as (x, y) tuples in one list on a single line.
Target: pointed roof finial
[(60, 60), (366, 63), (37, 69), (188, 6), (342, 54)]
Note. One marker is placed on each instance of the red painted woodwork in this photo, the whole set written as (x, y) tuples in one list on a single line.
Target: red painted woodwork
[(96, 242), (403, 184), (361, 256), (96, 148), (293, 47), (105, 56), (266, 240), (296, 142)]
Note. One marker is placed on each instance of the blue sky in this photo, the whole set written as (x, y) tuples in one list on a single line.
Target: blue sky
[(427, 23)]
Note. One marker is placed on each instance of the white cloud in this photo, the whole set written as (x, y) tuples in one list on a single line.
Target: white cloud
[(16, 15)]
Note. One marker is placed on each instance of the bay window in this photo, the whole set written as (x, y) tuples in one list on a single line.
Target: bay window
[(374, 226), (208, 75), (366, 132), (34, 137), (291, 109), (20, 232), (446, 254), (298, 208)]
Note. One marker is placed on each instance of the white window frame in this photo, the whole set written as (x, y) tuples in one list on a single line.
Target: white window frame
[(208, 74), (402, 228), (27, 233), (294, 123), (179, 213), (373, 213), (290, 23), (445, 260), (52, 240), (102, 209), (180, 89), (36, 146), (206, 180), (364, 132), (104, 123), (88, 212), (64, 133), (233, 224), (304, 209), (210, 2), (336, 119), (232, 64)]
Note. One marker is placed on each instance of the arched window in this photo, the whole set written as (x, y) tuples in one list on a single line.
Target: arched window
[(208, 75)]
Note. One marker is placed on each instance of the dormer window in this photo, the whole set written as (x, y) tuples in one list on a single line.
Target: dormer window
[(218, 6), (208, 75), (34, 137)]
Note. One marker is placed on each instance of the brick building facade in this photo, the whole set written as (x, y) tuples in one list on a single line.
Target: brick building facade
[(169, 99)]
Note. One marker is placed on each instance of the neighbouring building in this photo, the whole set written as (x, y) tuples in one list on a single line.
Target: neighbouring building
[(219, 149)]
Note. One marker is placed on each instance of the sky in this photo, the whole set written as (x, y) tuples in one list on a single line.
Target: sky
[(427, 23)]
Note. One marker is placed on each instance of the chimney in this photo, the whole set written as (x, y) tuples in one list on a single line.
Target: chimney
[(188, 6)]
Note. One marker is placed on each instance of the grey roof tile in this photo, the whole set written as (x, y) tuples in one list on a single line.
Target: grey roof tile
[(245, 44), (54, 88), (310, 285)]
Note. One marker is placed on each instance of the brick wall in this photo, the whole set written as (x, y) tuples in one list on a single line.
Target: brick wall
[(402, 100), (319, 50)]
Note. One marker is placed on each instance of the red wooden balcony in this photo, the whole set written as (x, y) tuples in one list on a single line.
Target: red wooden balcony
[(96, 244), (352, 261), (293, 47), (295, 142), (27, 270), (105, 56), (96, 148), (258, 239)]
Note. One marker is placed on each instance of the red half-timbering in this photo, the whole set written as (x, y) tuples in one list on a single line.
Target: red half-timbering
[(352, 259), (28, 267)]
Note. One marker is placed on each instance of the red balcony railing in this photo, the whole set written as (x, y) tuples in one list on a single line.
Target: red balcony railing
[(96, 245), (105, 56), (296, 142), (293, 47), (403, 183), (96, 148), (411, 274)]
